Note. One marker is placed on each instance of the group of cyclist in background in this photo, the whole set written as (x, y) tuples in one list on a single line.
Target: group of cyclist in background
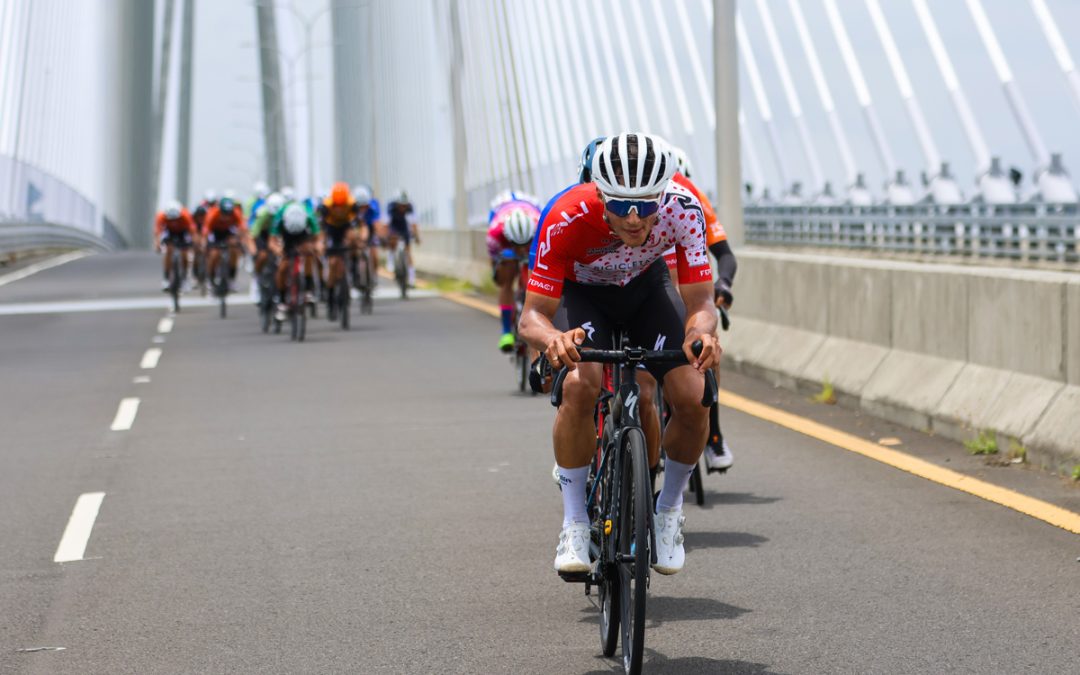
[(281, 225)]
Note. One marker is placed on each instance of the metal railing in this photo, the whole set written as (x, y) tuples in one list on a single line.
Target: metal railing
[(1024, 232), (21, 237)]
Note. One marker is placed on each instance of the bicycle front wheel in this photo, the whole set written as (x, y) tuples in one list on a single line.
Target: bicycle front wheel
[(634, 547)]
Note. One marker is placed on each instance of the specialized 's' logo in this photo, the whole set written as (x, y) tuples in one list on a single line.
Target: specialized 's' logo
[(631, 404), (588, 328), (660, 340)]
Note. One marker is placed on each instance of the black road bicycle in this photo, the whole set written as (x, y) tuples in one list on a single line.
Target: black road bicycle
[(220, 279), (295, 296), (266, 293), (176, 274), (620, 500)]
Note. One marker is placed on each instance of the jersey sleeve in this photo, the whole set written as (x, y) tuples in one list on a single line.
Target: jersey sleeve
[(548, 270), (691, 255), (159, 224)]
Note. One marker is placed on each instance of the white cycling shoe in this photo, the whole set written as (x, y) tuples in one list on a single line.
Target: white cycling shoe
[(670, 554), (718, 461), (572, 555)]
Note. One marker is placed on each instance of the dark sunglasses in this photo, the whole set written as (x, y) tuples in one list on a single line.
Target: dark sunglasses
[(623, 207)]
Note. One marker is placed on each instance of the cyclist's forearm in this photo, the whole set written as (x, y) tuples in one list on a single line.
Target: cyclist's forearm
[(537, 329)]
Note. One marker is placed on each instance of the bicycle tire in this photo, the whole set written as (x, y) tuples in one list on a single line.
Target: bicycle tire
[(522, 359), (635, 505), (303, 327), (222, 286), (696, 485), (343, 301), (174, 280), (608, 588), (401, 273)]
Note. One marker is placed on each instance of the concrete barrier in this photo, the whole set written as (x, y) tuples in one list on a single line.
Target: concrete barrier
[(945, 348), (951, 349)]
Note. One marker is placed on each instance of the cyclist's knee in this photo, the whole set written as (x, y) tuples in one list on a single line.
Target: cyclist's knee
[(581, 387), (683, 393)]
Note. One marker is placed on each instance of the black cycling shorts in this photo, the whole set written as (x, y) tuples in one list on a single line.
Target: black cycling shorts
[(648, 308), (335, 236)]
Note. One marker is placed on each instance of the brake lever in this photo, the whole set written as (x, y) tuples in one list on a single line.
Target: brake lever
[(556, 387), (709, 396), (725, 320)]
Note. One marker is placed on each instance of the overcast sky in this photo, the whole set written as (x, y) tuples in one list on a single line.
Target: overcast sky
[(227, 128)]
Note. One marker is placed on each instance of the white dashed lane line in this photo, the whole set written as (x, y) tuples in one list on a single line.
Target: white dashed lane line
[(125, 414), (77, 533), (150, 358), (165, 325)]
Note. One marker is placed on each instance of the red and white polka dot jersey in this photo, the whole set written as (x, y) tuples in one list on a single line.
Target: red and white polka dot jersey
[(573, 242)]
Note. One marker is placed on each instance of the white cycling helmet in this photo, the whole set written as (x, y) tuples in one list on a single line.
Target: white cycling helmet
[(274, 203), (294, 219), (173, 209), (210, 197), (518, 227), (632, 166), (362, 195), (261, 189), (682, 162), (288, 193)]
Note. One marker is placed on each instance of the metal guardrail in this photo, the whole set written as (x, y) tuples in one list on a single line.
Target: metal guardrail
[(20, 237), (1025, 232)]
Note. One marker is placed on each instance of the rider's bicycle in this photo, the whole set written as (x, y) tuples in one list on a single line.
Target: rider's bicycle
[(338, 299), (198, 268), (266, 293), (220, 278), (176, 274), (363, 279), (401, 264), (620, 500), (296, 296)]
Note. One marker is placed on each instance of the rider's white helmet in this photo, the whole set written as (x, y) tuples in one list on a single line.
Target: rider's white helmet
[(294, 219), (632, 166), (288, 193), (210, 196), (173, 209), (682, 162), (518, 227), (362, 195), (274, 203), (261, 189)]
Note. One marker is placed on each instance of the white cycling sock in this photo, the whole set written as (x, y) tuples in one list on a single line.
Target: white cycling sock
[(676, 478), (573, 483), (412, 275)]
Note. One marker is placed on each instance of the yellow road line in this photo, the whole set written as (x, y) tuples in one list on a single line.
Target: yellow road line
[(482, 305), (1036, 508)]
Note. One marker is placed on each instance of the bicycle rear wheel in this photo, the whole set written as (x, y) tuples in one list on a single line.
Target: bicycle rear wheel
[(174, 280), (634, 554), (222, 281), (343, 300)]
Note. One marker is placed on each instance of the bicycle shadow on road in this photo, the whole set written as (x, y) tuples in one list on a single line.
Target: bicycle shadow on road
[(713, 499), (655, 662), (663, 608), (700, 540)]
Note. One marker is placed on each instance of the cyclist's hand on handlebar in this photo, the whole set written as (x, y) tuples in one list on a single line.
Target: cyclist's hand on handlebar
[(710, 352), (563, 350)]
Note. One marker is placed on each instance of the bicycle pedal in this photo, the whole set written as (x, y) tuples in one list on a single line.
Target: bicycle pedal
[(711, 470), (575, 577)]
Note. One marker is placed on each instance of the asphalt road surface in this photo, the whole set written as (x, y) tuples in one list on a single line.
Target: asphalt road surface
[(380, 501)]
